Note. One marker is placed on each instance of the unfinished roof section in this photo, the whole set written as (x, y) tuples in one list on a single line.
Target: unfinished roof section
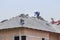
[(29, 22)]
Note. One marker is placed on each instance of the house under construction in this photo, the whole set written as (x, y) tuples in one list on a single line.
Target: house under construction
[(23, 27)]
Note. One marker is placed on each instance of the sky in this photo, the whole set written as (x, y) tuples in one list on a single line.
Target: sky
[(48, 8)]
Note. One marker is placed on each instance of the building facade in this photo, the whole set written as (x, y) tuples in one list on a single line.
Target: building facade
[(29, 28)]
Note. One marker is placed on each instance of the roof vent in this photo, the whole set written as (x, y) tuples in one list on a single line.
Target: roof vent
[(4, 20)]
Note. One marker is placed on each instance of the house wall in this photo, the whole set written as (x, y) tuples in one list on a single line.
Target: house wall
[(53, 36), (9, 34), (59, 37), (31, 34), (36, 35)]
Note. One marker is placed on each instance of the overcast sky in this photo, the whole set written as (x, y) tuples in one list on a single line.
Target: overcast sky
[(47, 8)]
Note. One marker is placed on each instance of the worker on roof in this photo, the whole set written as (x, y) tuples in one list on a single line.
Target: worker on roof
[(37, 14)]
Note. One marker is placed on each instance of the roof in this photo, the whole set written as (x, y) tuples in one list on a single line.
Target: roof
[(29, 22), (56, 27)]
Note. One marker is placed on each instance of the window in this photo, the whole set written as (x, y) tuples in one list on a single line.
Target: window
[(16, 38), (43, 38), (23, 37)]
